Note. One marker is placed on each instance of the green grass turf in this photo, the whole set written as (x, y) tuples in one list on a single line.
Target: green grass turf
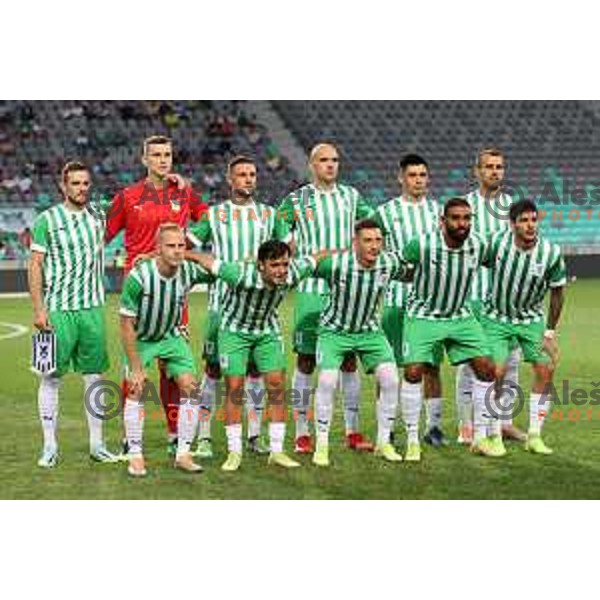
[(572, 472)]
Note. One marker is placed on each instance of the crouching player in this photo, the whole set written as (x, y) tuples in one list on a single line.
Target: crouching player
[(152, 301), (250, 328)]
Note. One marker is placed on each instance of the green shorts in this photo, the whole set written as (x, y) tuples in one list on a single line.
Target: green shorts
[(174, 351), (503, 337), (476, 309), (463, 339), (307, 314), (236, 350), (80, 340), (372, 347), (393, 326), (211, 338)]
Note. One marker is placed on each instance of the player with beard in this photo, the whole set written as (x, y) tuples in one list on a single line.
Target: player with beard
[(489, 204), (438, 312)]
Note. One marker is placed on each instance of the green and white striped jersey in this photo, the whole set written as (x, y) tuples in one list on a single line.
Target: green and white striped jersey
[(519, 279), (319, 220), (73, 244), (156, 301), (248, 305), (356, 292), (235, 233), (443, 275), (488, 219), (402, 220)]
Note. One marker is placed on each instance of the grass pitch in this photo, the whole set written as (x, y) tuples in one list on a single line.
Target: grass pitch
[(453, 473)]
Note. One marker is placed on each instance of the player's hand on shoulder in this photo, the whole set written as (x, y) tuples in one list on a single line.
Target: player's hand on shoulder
[(322, 254), (180, 180)]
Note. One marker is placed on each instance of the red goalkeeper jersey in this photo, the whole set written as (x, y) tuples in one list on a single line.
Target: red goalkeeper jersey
[(140, 209)]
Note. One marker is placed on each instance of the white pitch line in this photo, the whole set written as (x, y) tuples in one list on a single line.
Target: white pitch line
[(17, 330)]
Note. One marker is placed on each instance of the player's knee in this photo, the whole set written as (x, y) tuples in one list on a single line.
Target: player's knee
[(413, 373), (275, 380), (544, 373), (306, 364), (387, 376), (328, 381), (484, 370), (188, 386), (350, 364)]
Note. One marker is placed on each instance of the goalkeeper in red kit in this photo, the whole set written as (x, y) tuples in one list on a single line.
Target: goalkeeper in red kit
[(139, 210)]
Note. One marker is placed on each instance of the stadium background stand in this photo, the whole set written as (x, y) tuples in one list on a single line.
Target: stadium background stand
[(37, 138), (550, 145)]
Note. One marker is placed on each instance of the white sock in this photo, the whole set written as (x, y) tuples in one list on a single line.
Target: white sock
[(350, 387), (234, 437), (511, 380), (48, 410), (187, 423), (539, 405), (324, 404), (94, 408), (481, 420), (277, 435), (255, 403), (496, 420), (208, 396), (464, 394), (433, 409), (134, 425), (411, 396), (387, 404), (301, 384)]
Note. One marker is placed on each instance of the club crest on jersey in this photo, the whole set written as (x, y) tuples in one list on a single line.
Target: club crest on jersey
[(382, 279), (537, 269)]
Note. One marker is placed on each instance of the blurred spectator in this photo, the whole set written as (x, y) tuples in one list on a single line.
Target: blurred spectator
[(211, 178), (253, 134)]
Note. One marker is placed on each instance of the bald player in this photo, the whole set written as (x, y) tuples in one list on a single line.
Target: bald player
[(321, 216)]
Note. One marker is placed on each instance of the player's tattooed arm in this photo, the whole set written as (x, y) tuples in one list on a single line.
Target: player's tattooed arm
[(128, 339), (557, 300), (206, 261), (550, 343), (35, 278)]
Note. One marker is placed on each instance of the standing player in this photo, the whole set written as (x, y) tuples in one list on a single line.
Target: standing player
[(250, 329), (235, 229), (438, 313), (411, 215), (350, 323), (152, 303), (321, 215), (489, 203), (523, 267), (139, 210), (65, 282)]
